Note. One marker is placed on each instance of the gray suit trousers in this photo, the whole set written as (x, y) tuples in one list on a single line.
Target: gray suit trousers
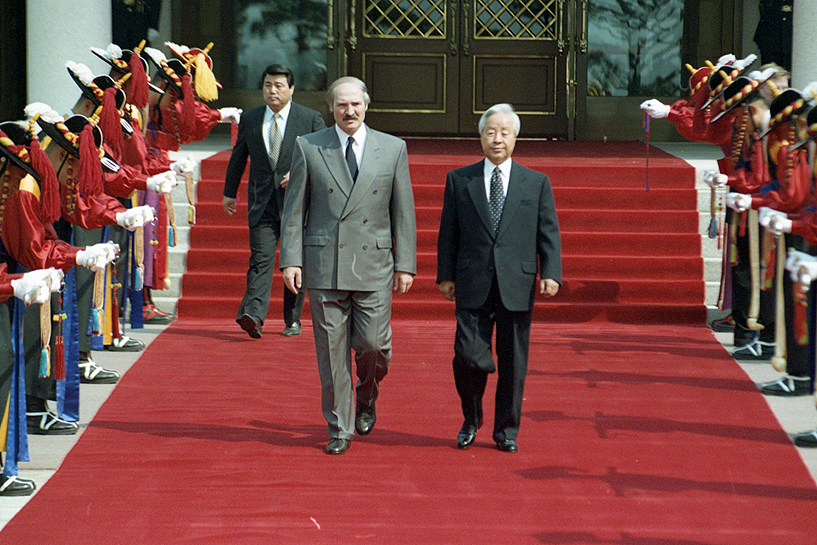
[(344, 321)]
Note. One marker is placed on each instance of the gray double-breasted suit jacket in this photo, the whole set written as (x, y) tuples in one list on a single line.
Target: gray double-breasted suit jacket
[(349, 235)]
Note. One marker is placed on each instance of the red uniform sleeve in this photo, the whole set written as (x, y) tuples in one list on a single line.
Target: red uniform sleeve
[(693, 124), (6, 289), (755, 173), (795, 184), (165, 136), (125, 181), (27, 241), (135, 153), (92, 212), (806, 227), (206, 119)]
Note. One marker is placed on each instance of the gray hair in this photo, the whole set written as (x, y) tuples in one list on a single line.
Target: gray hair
[(330, 94), (500, 109)]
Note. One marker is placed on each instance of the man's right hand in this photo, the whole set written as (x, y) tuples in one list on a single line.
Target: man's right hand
[(229, 205), (292, 279), (447, 289)]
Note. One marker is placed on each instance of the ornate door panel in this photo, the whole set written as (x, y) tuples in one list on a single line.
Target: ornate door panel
[(511, 53), (404, 54), (433, 66)]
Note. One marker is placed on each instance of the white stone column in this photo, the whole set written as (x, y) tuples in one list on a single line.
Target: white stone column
[(59, 31), (804, 45)]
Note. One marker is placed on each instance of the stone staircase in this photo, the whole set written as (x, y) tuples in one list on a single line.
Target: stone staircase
[(177, 255)]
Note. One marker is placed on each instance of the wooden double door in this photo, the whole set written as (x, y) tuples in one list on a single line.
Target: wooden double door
[(433, 66)]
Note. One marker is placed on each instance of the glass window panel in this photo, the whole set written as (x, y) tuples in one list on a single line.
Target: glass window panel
[(634, 47), (290, 32), (521, 19)]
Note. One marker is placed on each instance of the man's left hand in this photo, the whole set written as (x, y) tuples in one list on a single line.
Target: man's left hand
[(548, 287), (285, 180), (402, 282)]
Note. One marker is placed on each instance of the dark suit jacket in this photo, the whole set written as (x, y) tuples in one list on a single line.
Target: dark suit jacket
[(265, 185), (468, 252)]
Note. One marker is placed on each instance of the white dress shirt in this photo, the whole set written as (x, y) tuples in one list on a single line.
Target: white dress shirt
[(282, 122), (505, 174), (359, 141)]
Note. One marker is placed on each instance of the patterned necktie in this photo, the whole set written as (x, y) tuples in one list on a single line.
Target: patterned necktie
[(497, 200), (274, 141), (351, 160)]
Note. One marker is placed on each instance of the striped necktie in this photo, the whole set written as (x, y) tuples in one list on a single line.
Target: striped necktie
[(274, 141)]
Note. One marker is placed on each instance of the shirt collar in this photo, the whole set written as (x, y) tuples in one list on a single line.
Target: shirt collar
[(504, 168), (284, 113), (359, 136)]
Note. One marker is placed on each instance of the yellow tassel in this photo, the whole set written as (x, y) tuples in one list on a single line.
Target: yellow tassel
[(205, 83), (45, 338)]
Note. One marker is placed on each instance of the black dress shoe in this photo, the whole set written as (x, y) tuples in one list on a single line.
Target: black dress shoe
[(806, 439), (126, 344), (91, 373), (337, 446), (292, 330), (466, 436), (47, 423), (365, 417), (15, 486), (787, 386), (508, 445), (251, 325)]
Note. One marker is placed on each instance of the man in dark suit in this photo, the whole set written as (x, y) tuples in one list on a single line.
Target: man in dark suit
[(349, 237), (497, 218), (266, 135)]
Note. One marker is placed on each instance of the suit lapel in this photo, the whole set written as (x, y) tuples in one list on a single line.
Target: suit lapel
[(367, 172), (476, 187), (516, 191), (332, 154), (289, 133)]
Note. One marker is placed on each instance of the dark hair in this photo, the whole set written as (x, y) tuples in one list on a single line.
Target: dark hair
[(278, 70)]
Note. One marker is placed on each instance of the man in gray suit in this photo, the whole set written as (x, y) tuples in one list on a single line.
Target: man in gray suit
[(349, 237), (267, 135), (498, 217)]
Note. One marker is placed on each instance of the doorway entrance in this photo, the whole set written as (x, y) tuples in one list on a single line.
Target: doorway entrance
[(433, 66)]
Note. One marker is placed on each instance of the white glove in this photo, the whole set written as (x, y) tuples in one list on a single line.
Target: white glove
[(35, 287), (162, 183), (230, 115), (184, 166), (802, 266), (779, 224), (715, 179), (130, 219), (96, 257), (810, 90), (765, 215), (742, 64), (655, 108), (729, 58), (738, 201), (135, 217), (763, 76)]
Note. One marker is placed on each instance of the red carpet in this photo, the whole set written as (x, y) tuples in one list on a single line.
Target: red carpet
[(630, 436), (630, 255)]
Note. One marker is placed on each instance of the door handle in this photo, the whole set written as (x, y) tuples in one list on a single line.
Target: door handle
[(583, 36)]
